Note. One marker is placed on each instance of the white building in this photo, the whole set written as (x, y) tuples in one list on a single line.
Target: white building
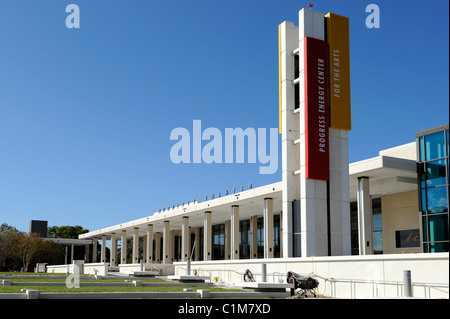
[(324, 209)]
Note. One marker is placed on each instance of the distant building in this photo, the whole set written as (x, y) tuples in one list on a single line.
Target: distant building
[(39, 227)]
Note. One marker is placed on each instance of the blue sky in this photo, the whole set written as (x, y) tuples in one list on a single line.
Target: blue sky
[(86, 114)]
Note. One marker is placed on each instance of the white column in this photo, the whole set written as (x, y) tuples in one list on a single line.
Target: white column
[(313, 193), (254, 237), (268, 228), (113, 257), (207, 237), (94, 250), (234, 232), (149, 247), (228, 240), (166, 242), (288, 42), (339, 193), (364, 216), (186, 239), (123, 248)]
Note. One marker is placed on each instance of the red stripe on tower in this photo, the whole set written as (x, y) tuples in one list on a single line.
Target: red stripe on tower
[(316, 109)]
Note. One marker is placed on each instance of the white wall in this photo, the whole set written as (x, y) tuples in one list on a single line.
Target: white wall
[(425, 268)]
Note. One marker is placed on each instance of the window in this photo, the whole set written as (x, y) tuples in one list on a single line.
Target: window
[(377, 226), (354, 227), (434, 146), (218, 242), (244, 239), (276, 236), (260, 237), (432, 171)]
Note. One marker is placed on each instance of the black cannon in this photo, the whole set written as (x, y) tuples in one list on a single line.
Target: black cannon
[(302, 284)]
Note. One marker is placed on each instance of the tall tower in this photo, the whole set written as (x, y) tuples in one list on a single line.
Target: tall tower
[(315, 117)]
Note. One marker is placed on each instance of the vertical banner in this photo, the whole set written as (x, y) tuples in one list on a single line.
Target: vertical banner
[(338, 37), (316, 109)]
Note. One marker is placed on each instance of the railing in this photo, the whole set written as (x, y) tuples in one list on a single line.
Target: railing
[(430, 290), (342, 288)]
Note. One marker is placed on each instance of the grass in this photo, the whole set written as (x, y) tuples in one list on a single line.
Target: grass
[(87, 278), (17, 289)]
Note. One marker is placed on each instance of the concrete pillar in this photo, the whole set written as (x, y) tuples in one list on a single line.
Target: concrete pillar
[(234, 232), (313, 193), (254, 237), (207, 237), (94, 249), (135, 246), (288, 42), (364, 216), (166, 243), (113, 257), (268, 228), (149, 247), (123, 249), (103, 250), (228, 240), (186, 238)]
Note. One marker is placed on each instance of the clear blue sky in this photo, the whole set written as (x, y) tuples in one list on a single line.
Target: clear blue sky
[(86, 114)]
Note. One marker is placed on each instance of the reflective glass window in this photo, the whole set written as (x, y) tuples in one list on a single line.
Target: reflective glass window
[(438, 225), (434, 146), (438, 247), (421, 150), (424, 201), (437, 200), (424, 229), (244, 239), (436, 173), (448, 148)]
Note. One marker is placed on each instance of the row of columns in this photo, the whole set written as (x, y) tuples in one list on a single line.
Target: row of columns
[(232, 239)]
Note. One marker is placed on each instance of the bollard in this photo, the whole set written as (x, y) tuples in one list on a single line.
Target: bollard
[(141, 262), (264, 272), (407, 283), (188, 268), (32, 294)]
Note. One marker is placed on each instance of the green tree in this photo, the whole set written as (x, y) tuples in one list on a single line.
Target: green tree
[(66, 231), (8, 243)]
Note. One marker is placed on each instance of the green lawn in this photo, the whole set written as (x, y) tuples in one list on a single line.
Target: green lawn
[(86, 278), (16, 289)]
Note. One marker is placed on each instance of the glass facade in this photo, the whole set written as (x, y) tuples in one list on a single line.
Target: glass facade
[(377, 227), (219, 239), (432, 170)]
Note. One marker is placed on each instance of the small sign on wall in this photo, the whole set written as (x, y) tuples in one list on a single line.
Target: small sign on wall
[(407, 238)]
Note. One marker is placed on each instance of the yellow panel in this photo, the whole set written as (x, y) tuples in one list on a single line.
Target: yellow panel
[(279, 79), (338, 37)]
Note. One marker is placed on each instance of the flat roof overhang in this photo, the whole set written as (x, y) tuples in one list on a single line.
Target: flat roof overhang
[(387, 175), (68, 241), (251, 203)]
